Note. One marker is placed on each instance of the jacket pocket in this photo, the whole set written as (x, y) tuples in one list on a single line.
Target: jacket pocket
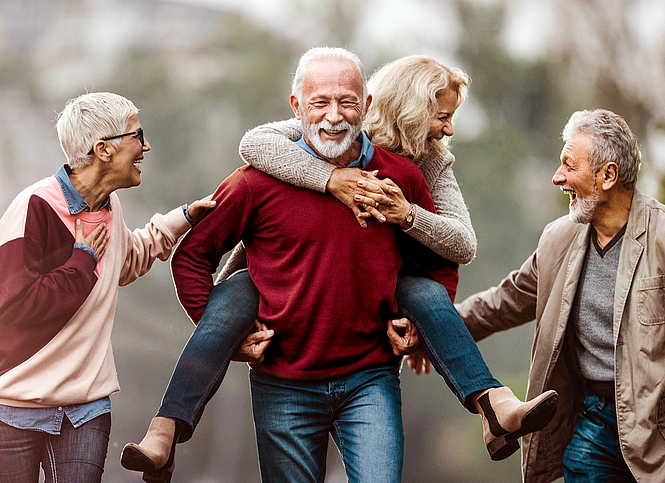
[(651, 300)]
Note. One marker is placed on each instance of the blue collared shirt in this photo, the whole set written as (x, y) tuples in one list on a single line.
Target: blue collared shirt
[(76, 203), (49, 420), (366, 152)]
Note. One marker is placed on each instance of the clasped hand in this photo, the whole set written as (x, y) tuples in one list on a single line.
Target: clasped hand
[(380, 198)]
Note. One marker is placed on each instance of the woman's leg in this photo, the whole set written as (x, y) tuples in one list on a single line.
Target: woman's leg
[(448, 343), (77, 454), (455, 355), (228, 318)]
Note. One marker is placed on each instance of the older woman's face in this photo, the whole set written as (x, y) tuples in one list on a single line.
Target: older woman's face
[(126, 158), (441, 123)]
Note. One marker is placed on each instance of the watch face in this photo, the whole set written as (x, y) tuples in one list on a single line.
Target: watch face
[(409, 218)]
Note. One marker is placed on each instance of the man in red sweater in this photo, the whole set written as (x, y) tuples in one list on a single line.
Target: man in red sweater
[(327, 289)]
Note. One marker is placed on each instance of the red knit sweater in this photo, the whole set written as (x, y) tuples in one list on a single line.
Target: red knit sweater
[(326, 285)]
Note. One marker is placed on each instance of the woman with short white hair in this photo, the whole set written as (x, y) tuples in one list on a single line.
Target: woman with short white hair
[(64, 251)]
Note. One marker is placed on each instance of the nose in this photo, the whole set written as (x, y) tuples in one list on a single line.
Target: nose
[(448, 128), (559, 178), (333, 113), (146, 145)]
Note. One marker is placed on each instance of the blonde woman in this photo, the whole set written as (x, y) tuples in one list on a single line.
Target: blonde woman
[(413, 103)]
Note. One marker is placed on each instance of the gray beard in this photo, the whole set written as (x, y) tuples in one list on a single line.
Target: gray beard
[(330, 149), (584, 209)]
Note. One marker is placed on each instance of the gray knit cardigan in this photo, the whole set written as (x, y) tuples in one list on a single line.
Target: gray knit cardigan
[(271, 149)]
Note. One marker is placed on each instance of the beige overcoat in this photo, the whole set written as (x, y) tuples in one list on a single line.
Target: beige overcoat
[(544, 289)]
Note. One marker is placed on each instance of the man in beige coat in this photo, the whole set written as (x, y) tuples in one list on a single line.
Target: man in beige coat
[(596, 287)]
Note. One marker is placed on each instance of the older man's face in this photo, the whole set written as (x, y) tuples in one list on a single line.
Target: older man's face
[(575, 178), (331, 108)]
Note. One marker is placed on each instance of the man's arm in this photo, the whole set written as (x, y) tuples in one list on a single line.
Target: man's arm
[(197, 257)]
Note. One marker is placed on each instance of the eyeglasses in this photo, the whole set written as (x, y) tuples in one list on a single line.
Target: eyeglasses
[(139, 133)]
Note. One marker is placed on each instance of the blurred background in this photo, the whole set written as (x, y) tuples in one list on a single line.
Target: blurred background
[(202, 72)]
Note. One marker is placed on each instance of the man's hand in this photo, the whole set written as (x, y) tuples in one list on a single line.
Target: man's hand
[(253, 348), (200, 208), (404, 337), (418, 362)]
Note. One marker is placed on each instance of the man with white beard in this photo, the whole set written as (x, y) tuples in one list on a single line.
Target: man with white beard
[(596, 287), (326, 285)]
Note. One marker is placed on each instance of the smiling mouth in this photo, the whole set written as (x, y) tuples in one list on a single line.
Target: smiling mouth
[(333, 132), (569, 192)]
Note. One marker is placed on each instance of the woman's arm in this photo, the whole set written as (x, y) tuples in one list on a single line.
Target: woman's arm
[(450, 232), (271, 148)]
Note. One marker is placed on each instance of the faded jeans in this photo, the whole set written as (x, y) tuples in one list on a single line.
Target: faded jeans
[(76, 455)]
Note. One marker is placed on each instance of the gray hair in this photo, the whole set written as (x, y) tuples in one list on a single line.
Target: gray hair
[(87, 119), (325, 54), (613, 141)]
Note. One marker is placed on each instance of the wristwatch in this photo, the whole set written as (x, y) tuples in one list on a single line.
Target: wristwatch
[(408, 221)]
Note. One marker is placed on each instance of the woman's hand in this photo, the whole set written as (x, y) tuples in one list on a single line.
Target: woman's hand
[(200, 208), (362, 190), (390, 207), (343, 185), (97, 239)]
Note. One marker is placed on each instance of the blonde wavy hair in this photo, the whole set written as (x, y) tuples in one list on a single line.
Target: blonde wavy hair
[(404, 99)]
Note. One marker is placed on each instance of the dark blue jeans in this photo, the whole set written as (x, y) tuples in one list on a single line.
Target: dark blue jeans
[(362, 411), (229, 317), (448, 343), (76, 455), (594, 455)]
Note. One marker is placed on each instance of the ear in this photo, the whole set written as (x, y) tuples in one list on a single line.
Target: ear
[(368, 103), (295, 105), (610, 175), (102, 150)]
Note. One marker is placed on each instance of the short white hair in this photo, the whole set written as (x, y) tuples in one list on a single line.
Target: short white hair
[(87, 119), (325, 54)]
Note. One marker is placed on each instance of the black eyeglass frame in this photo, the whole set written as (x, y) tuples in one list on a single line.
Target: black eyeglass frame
[(139, 132)]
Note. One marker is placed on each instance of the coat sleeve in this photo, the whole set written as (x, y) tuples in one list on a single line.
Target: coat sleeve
[(197, 257), (509, 304), (44, 279)]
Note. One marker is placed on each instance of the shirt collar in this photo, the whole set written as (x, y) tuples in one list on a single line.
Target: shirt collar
[(366, 151), (74, 200)]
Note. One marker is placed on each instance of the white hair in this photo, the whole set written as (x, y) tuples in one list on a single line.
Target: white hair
[(87, 119), (325, 54)]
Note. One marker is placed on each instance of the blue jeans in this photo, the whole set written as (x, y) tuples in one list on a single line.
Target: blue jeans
[(448, 343), (75, 456), (594, 455), (228, 318), (362, 412)]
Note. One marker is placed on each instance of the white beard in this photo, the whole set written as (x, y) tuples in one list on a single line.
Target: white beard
[(584, 208), (330, 149)]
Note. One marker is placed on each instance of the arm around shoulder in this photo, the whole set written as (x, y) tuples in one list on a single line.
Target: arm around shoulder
[(271, 148)]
